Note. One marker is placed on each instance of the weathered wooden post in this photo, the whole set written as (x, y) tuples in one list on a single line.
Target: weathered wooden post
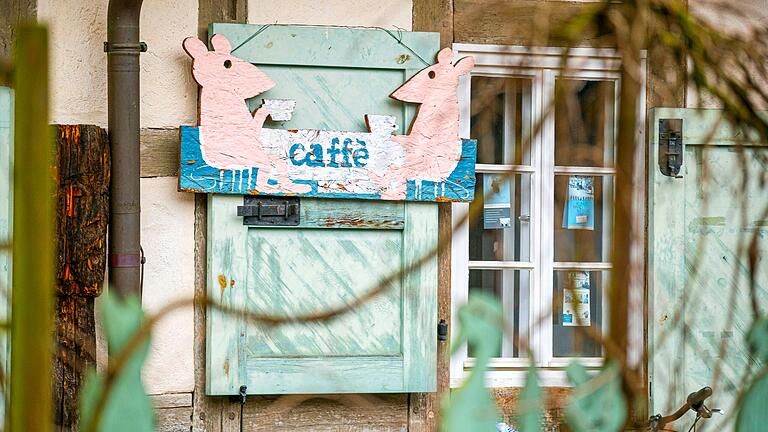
[(33, 238), (82, 213)]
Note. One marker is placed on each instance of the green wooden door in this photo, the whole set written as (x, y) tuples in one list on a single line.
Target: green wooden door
[(341, 248), (698, 271)]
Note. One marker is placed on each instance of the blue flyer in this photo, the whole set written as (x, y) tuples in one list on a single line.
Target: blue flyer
[(579, 209)]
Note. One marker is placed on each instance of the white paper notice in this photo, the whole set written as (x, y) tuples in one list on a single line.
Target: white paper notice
[(576, 300)]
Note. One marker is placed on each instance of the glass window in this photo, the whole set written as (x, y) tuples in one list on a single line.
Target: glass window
[(577, 309), (511, 288), (583, 213), (539, 232), (584, 122), (500, 218), (501, 120)]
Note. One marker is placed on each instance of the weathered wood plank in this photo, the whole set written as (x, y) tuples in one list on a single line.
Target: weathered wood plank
[(82, 213), (521, 22), (555, 400), (341, 214), (275, 44), (159, 152), (171, 400), (75, 354), (219, 11), (434, 16), (177, 419), (82, 208), (326, 413), (207, 411), (420, 305)]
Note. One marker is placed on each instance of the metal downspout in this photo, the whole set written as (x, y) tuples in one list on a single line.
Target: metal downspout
[(123, 48)]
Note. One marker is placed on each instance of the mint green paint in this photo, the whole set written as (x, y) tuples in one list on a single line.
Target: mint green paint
[(341, 249), (6, 198), (695, 226)]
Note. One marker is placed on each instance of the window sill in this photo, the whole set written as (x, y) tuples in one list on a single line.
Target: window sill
[(512, 372)]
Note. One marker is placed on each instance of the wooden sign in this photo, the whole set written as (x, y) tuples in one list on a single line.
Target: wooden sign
[(232, 152)]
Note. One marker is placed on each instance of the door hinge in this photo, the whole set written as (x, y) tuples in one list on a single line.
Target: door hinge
[(260, 210), (442, 330)]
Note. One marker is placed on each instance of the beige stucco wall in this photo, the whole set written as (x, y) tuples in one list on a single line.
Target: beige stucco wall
[(168, 99), (367, 13)]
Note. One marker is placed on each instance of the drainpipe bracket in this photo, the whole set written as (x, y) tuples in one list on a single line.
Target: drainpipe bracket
[(125, 47)]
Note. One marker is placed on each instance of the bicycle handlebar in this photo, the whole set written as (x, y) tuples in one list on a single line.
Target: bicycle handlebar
[(696, 399), (695, 402)]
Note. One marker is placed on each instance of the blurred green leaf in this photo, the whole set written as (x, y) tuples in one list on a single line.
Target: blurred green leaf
[(597, 403), (471, 407), (530, 403), (128, 408), (752, 416), (757, 338)]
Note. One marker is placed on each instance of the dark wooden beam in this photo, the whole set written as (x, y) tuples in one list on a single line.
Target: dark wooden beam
[(520, 22), (434, 16), (212, 414), (159, 152), (423, 408), (82, 214), (220, 11)]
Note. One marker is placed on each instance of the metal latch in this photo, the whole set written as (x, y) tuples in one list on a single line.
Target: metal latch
[(671, 147), (269, 210)]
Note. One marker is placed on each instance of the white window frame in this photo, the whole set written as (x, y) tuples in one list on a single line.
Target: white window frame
[(542, 66)]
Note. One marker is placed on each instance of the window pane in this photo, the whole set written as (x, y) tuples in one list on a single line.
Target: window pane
[(583, 216), (501, 120), (578, 306), (511, 288), (584, 122), (499, 221)]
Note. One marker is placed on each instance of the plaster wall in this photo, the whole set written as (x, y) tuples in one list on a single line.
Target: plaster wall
[(168, 99), (167, 224), (389, 14)]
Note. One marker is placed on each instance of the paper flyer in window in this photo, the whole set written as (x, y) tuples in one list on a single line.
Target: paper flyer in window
[(576, 299), (497, 211), (579, 209)]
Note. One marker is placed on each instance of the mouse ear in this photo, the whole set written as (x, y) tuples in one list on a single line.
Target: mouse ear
[(194, 47), (465, 65), (221, 44), (444, 56)]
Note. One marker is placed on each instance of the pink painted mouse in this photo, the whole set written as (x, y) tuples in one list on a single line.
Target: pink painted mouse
[(230, 135), (432, 146)]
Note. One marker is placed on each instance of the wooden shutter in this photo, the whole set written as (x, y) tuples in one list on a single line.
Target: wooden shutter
[(695, 261), (340, 249)]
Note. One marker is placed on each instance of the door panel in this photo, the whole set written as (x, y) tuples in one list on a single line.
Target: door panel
[(700, 224), (340, 250), (339, 265)]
